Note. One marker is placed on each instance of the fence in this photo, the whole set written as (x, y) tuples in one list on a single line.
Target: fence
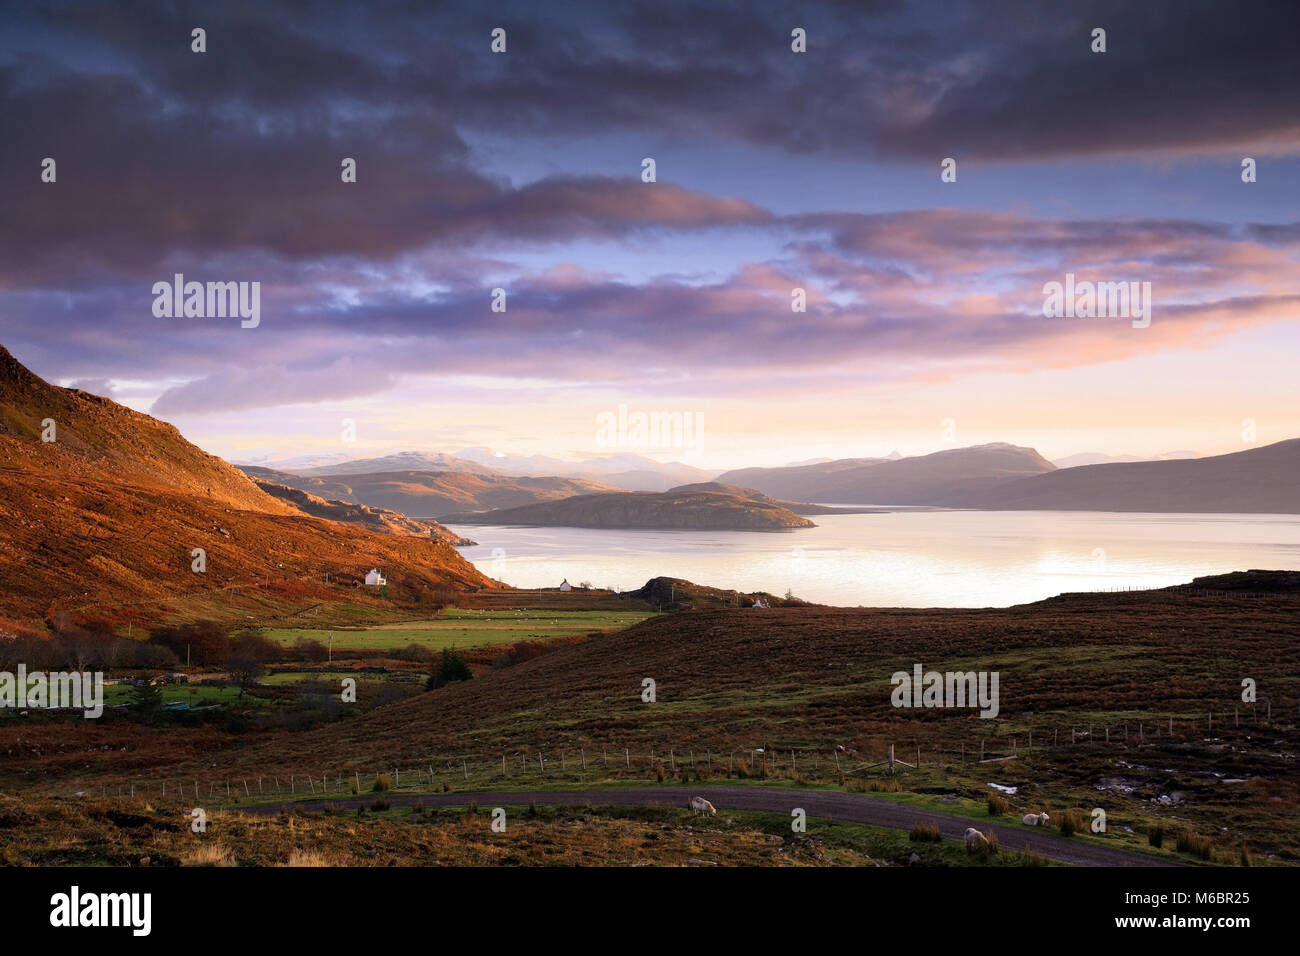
[(586, 765)]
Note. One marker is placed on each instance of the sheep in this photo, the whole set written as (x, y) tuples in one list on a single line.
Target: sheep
[(1034, 819), (975, 839), (700, 805)]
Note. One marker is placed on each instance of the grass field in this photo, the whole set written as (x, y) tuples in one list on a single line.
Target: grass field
[(459, 628)]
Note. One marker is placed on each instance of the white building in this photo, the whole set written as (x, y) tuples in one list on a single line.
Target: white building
[(375, 579), (565, 585)]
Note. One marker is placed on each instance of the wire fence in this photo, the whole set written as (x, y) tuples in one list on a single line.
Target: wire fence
[(585, 765)]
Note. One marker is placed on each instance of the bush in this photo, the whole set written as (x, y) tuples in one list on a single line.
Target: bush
[(998, 805), (382, 784), (205, 643), (925, 833), (307, 649), (1071, 822), (450, 668), (1156, 835), (379, 804), (1195, 844)]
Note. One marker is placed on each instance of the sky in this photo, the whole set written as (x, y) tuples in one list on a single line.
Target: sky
[(774, 170)]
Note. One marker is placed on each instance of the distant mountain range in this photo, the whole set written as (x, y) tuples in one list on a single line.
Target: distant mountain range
[(923, 480), (1098, 458), (1256, 481), (430, 493), (995, 476), (1007, 477), (624, 471)]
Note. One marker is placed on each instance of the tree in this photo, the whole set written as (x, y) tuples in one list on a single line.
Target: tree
[(244, 671), (146, 698), (450, 667)]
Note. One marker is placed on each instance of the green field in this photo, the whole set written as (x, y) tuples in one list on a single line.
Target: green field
[(192, 694), (466, 627)]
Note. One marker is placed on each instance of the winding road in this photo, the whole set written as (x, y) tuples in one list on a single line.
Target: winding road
[(847, 807)]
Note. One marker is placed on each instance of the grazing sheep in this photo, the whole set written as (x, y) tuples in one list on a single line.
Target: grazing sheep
[(975, 839), (700, 805), (1034, 819)]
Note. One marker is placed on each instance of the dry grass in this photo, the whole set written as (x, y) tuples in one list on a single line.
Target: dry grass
[(208, 854)]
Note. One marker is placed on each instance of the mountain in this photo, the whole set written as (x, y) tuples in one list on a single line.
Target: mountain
[(110, 513), (676, 510), (97, 439), (798, 507), (425, 493), (1257, 481), (399, 461), (627, 471), (1098, 458), (377, 519), (922, 480)]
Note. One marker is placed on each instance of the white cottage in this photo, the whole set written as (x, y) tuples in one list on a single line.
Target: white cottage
[(565, 585), (375, 579)]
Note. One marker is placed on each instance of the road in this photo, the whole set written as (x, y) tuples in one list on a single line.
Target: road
[(846, 807)]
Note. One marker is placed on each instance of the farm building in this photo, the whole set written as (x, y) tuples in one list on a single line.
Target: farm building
[(565, 585), (375, 579)]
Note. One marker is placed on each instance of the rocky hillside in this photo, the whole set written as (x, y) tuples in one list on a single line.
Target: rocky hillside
[(376, 519), (112, 511)]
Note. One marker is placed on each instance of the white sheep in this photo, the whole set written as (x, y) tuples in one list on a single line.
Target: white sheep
[(700, 805), (974, 838), (1034, 819)]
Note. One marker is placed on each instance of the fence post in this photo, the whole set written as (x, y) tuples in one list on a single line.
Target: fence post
[(627, 759)]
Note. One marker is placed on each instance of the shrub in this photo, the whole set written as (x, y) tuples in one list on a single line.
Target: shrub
[(998, 805), (306, 649), (1156, 835), (450, 668), (1029, 858), (1071, 822), (1195, 844), (925, 833), (382, 783), (379, 804)]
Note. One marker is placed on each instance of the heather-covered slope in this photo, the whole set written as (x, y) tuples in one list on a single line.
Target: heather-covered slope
[(111, 512)]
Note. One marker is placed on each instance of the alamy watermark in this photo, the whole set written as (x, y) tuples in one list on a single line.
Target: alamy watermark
[(626, 428), (924, 688), (1101, 300), (82, 691), (181, 299)]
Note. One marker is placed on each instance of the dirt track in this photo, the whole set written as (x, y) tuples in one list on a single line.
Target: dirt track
[(847, 807)]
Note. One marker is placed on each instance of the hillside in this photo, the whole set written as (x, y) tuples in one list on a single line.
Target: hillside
[(426, 493), (100, 439), (924, 480), (1257, 481), (110, 513), (376, 519), (798, 507), (676, 510)]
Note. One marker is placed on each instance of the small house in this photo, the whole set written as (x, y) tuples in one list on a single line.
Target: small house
[(375, 579), (565, 585)]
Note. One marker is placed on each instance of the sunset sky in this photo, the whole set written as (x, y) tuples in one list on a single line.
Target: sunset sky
[(775, 170)]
